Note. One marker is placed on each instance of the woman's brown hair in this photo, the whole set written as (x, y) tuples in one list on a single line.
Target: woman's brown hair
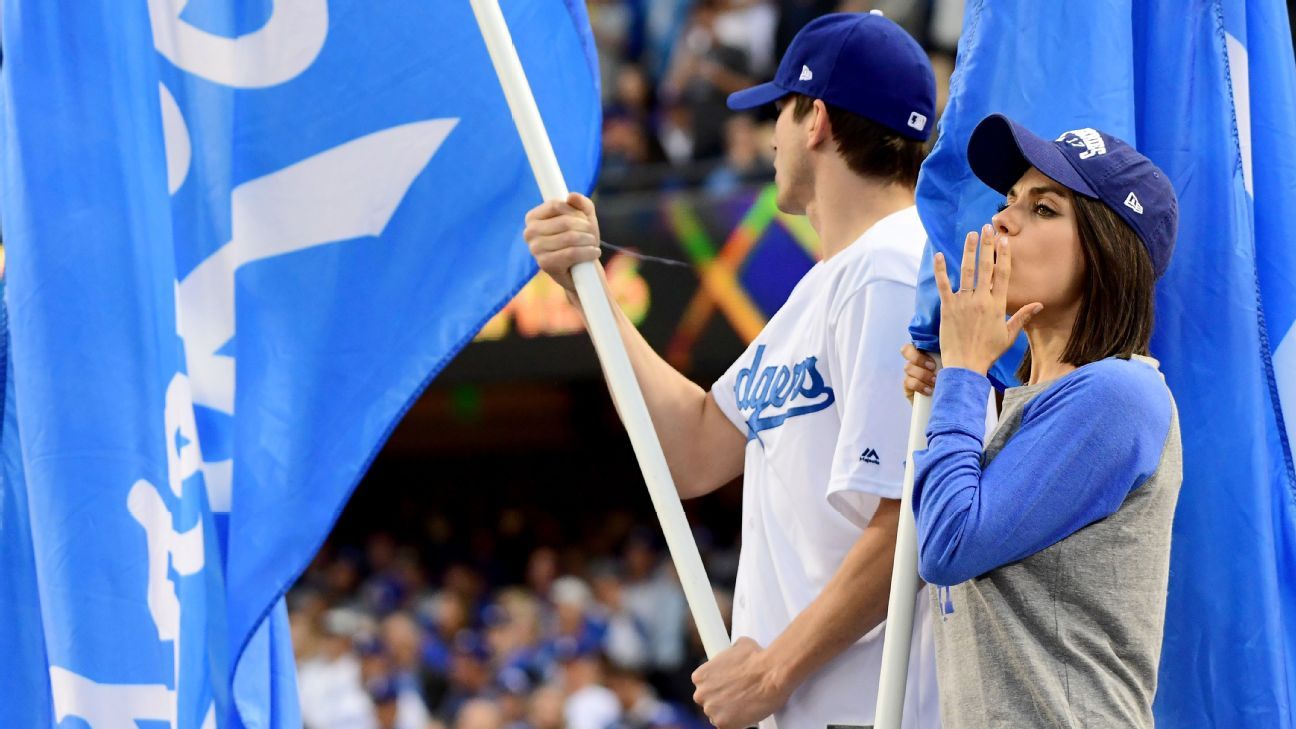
[(1117, 298)]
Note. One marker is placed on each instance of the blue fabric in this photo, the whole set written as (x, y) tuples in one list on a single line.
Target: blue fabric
[(1083, 444), (1259, 27), (240, 241), (1157, 74)]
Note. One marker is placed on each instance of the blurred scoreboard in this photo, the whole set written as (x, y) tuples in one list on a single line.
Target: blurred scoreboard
[(736, 260)]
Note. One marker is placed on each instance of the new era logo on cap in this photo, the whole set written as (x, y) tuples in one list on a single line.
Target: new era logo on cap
[(917, 121), (806, 74), (1132, 202)]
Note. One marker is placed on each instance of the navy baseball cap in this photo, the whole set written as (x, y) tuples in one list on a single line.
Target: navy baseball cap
[(470, 644), (514, 680), (383, 690), (860, 62), (1087, 162)]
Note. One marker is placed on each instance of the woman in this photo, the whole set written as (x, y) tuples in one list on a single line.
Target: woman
[(1048, 546)]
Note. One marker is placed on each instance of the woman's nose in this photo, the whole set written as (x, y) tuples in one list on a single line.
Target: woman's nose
[(1005, 221)]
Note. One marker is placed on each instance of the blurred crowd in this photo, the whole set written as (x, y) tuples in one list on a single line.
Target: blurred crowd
[(593, 635), (668, 65)]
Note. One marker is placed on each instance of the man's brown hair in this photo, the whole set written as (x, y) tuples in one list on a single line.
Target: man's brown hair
[(870, 149)]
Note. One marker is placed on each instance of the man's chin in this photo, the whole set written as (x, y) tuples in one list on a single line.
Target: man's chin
[(787, 205)]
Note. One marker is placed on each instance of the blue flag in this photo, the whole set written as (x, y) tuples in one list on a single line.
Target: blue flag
[(241, 239), (1205, 89), (1260, 58)]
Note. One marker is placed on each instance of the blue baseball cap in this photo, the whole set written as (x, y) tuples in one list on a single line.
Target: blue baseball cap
[(566, 648), (383, 690), (514, 680), (860, 62), (1087, 162), (470, 644)]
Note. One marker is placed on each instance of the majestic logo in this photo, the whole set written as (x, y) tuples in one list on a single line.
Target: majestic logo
[(870, 456), (1087, 139), (917, 121), (806, 74), (1132, 202), (771, 395)]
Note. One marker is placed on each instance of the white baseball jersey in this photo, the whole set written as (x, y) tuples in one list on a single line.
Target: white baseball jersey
[(819, 396)]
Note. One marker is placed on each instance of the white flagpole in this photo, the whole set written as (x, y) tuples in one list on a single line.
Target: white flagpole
[(904, 582), (607, 339)]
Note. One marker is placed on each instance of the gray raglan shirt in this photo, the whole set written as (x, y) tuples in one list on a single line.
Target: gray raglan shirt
[(1048, 551)]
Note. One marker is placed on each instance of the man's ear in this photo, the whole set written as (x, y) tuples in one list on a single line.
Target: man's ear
[(820, 131)]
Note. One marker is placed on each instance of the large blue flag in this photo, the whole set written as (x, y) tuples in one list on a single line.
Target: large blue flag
[(241, 238), (1206, 89)]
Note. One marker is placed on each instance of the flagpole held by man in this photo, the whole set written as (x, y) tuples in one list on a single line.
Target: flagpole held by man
[(811, 414)]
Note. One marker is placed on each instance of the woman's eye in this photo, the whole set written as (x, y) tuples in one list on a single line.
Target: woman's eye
[(1044, 211), (1001, 207)]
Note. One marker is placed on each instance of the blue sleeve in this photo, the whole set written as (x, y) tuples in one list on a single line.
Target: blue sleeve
[(1083, 445)]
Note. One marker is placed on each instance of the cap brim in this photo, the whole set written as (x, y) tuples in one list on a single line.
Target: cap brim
[(1001, 150), (759, 95)]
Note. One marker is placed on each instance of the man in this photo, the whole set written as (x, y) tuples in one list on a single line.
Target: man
[(812, 414), (480, 714), (640, 706), (590, 704)]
